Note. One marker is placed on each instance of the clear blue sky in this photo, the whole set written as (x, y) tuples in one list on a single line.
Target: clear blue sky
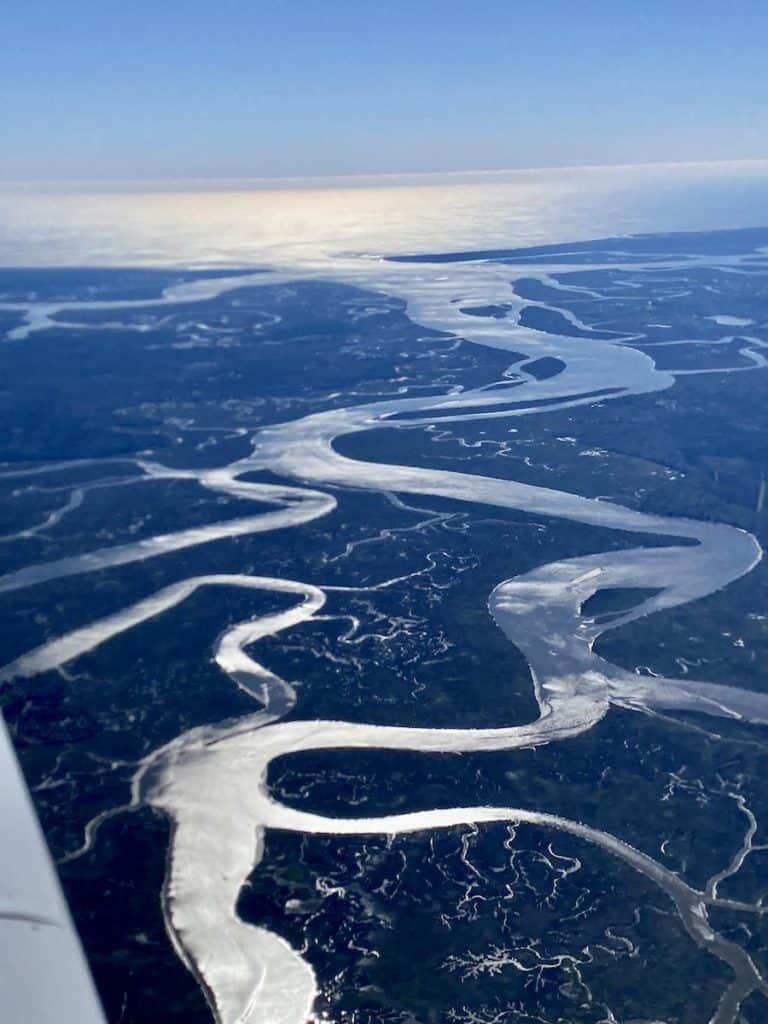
[(228, 88)]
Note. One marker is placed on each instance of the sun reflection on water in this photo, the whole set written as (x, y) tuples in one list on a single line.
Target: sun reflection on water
[(225, 223)]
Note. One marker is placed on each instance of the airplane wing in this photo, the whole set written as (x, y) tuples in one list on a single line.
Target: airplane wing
[(44, 978)]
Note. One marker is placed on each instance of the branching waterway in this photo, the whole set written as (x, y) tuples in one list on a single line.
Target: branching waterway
[(212, 780)]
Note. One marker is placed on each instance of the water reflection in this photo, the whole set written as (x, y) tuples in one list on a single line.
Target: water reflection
[(312, 222)]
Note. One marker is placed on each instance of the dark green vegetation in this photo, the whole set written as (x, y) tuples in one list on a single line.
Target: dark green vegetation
[(248, 358)]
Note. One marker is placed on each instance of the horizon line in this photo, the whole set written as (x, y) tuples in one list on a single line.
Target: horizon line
[(356, 180)]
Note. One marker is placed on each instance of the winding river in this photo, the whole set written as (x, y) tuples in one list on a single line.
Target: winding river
[(211, 781)]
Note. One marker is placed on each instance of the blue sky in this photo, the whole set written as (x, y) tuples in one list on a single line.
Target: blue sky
[(191, 89)]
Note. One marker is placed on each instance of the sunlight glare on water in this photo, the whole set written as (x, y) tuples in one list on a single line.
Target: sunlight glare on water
[(310, 223)]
